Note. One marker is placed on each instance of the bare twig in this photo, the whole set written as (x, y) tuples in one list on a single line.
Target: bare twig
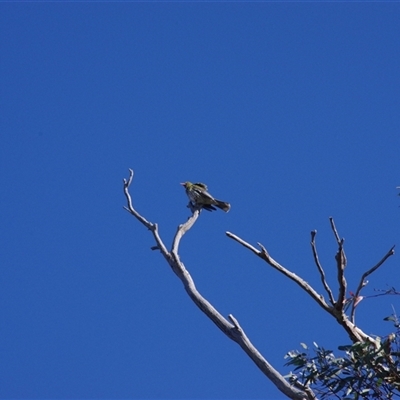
[(231, 329), (391, 291), (152, 227), (320, 269), (363, 282), (334, 229)]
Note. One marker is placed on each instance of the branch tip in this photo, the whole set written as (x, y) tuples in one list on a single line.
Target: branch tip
[(313, 234), (127, 182)]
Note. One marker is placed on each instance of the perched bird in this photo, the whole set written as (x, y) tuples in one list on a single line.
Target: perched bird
[(198, 196)]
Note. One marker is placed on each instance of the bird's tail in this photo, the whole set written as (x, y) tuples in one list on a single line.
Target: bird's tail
[(223, 205)]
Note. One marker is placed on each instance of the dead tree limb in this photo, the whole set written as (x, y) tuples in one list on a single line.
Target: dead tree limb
[(230, 328), (320, 269), (355, 333)]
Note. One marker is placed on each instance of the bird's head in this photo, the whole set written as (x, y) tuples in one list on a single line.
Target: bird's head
[(187, 185)]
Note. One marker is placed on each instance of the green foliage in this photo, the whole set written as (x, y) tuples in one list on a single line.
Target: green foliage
[(365, 370)]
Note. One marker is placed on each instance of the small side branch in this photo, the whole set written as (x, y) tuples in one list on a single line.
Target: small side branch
[(363, 282), (320, 269), (129, 208), (152, 227), (334, 229)]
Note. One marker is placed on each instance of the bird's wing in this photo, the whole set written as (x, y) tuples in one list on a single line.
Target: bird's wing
[(202, 185), (203, 193)]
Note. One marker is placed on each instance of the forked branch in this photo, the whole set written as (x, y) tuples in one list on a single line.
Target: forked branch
[(230, 328), (353, 331)]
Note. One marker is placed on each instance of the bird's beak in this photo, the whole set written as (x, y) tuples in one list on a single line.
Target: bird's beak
[(183, 184)]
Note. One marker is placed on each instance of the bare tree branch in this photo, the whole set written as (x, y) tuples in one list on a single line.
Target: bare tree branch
[(182, 229), (341, 264), (363, 282), (355, 333), (320, 269), (334, 229), (152, 227), (231, 329)]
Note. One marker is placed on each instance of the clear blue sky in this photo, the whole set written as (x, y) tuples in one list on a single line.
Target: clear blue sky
[(289, 111)]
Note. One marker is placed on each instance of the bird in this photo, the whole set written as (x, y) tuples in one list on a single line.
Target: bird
[(199, 197)]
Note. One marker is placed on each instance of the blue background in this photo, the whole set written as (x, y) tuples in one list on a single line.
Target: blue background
[(289, 111)]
